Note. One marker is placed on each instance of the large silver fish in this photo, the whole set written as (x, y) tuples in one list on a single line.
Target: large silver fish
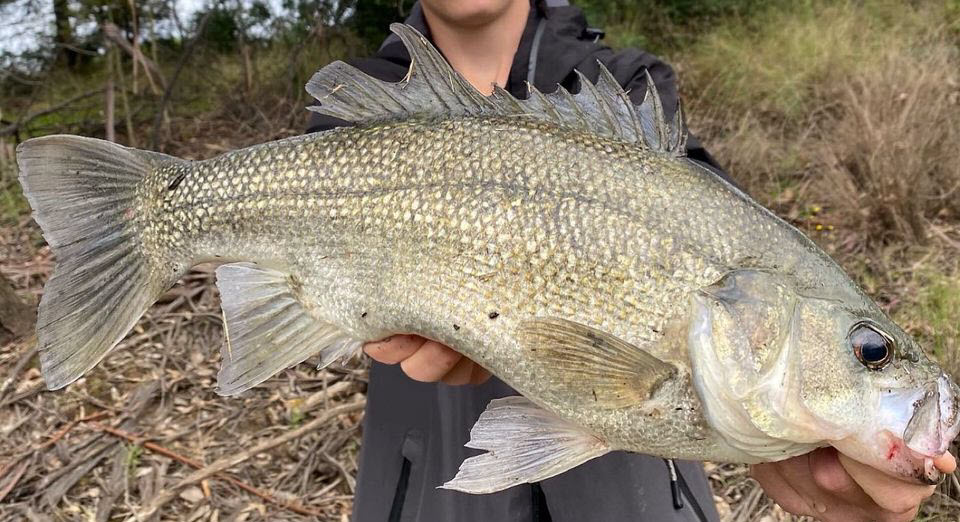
[(637, 301)]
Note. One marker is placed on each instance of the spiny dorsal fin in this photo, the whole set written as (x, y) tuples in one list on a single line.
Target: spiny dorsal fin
[(430, 88), (433, 89)]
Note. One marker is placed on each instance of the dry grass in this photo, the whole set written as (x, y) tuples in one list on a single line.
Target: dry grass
[(855, 110), (889, 150)]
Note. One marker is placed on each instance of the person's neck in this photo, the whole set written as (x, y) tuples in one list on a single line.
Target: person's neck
[(482, 53)]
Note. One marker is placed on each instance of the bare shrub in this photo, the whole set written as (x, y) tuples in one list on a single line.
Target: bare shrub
[(889, 150), (852, 110)]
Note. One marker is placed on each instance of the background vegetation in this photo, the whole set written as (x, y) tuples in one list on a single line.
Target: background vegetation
[(842, 117)]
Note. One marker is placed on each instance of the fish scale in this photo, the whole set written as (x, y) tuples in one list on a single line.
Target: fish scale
[(636, 300), (587, 281)]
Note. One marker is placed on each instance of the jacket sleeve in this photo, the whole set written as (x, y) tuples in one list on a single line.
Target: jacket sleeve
[(629, 67)]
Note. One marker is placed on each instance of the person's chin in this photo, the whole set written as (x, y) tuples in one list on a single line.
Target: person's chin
[(467, 13)]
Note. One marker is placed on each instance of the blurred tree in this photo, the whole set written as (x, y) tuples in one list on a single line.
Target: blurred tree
[(63, 35), (371, 19)]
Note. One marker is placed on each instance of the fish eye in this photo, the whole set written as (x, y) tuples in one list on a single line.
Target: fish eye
[(872, 348)]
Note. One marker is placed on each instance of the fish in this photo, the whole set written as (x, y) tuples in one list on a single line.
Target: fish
[(634, 299)]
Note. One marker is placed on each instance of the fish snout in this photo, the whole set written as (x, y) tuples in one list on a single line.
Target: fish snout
[(949, 410), (934, 423)]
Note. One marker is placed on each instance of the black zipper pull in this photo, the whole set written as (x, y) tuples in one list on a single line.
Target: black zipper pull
[(674, 485)]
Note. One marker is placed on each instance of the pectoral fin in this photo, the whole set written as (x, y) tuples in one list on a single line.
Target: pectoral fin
[(269, 329), (604, 370), (524, 443)]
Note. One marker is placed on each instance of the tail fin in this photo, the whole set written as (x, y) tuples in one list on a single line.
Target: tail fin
[(82, 191)]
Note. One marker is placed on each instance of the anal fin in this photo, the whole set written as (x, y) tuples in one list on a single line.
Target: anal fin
[(524, 443), (268, 328)]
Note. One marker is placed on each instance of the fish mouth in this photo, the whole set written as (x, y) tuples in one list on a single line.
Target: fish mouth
[(933, 424), (916, 430), (891, 455), (931, 476), (930, 430), (924, 470)]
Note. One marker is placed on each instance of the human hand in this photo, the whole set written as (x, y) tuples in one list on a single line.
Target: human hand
[(426, 361), (831, 487)]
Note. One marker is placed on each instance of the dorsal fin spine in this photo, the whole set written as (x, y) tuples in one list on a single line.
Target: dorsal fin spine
[(679, 126), (603, 107), (658, 119), (433, 89)]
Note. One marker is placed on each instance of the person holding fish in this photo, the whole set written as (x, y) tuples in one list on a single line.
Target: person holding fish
[(496, 42), (640, 312)]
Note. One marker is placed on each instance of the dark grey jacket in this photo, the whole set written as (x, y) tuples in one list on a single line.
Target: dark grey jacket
[(414, 432)]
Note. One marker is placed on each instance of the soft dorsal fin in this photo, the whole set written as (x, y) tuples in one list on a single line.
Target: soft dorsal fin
[(433, 89)]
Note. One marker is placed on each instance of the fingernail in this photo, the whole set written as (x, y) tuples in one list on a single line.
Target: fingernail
[(820, 507)]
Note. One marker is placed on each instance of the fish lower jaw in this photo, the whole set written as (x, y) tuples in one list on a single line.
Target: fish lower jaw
[(890, 454), (927, 471)]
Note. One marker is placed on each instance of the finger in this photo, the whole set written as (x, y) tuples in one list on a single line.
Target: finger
[(430, 363), (830, 476), (461, 373), (394, 349), (844, 499), (946, 463), (479, 375), (889, 493), (776, 487), (805, 474)]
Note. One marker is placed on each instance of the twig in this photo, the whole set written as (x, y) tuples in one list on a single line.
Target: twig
[(156, 448), (220, 465), (112, 32), (112, 488), (110, 128), (943, 235), (176, 74), (28, 352), (72, 424), (14, 479)]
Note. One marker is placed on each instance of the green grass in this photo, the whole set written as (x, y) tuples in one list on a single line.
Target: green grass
[(134, 452), (12, 203), (936, 312)]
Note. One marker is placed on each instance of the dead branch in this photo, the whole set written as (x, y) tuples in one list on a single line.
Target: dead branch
[(110, 132), (156, 448), (54, 486), (62, 432), (201, 27), (165, 496), (152, 70), (29, 349)]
